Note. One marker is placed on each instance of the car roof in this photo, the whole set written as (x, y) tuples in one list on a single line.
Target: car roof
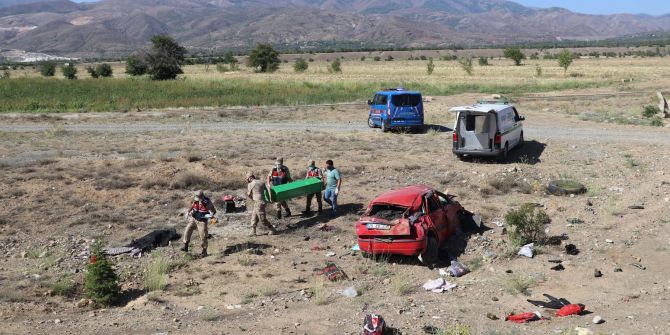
[(405, 197), (481, 108), (394, 91)]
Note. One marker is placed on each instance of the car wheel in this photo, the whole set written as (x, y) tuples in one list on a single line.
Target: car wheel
[(520, 140), (505, 153), (431, 255), (385, 127), (371, 123)]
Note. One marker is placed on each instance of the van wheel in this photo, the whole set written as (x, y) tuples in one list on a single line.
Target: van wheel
[(431, 255), (371, 124), (520, 140), (385, 127), (505, 153)]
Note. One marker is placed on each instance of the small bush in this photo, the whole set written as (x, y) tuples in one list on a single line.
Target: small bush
[(104, 70), (389, 58), (650, 111), (155, 274), (91, 71), (538, 70), (335, 66), (457, 329), (402, 285), (377, 58), (48, 69), (526, 224), (300, 65), (423, 57), (65, 287), (430, 67), (69, 71), (656, 121), (190, 180), (5, 74), (136, 66), (521, 284), (466, 65), (483, 61), (101, 282)]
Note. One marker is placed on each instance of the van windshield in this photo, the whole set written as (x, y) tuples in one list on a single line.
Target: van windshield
[(406, 100)]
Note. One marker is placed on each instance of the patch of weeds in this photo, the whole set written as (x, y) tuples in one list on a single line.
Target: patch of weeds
[(248, 298), (269, 291), (33, 253), (475, 263), (656, 121), (154, 297), (630, 162), (457, 329), (211, 316), (526, 224), (65, 287), (246, 260), (188, 291), (155, 274), (320, 296), (190, 180), (402, 285), (521, 283), (114, 183)]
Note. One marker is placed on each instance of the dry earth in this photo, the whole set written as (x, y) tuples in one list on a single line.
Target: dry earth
[(70, 179)]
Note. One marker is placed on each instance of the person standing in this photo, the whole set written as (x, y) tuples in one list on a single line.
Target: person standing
[(280, 175), (202, 209), (313, 172), (333, 183), (255, 191)]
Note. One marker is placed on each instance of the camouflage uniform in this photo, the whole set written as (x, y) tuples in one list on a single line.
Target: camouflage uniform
[(255, 192)]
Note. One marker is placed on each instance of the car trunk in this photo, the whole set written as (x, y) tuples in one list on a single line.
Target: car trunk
[(386, 220), (476, 130), (405, 107)]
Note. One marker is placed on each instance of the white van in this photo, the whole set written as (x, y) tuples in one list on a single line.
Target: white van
[(487, 130)]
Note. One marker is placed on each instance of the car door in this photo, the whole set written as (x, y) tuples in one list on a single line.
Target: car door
[(437, 215), (451, 209), (518, 126), (379, 107)]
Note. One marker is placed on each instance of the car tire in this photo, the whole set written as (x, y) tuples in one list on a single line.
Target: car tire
[(565, 187), (505, 153), (385, 127), (371, 123), (431, 255), (520, 141)]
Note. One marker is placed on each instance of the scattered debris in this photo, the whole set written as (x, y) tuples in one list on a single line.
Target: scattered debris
[(553, 303), (575, 221), (430, 329), (639, 266), (356, 247), (524, 317), (325, 227), (438, 285), (636, 207), (571, 309), (152, 240), (618, 269), (571, 249), (332, 272), (457, 269), (598, 319), (609, 241), (527, 250), (492, 316), (597, 273), (565, 187), (349, 292), (330, 254), (558, 267), (374, 324)]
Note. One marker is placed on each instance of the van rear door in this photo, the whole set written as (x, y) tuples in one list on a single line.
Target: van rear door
[(476, 130), (407, 108), (379, 107)]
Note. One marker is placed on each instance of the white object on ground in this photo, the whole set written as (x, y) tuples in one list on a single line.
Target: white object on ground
[(349, 292), (527, 250), (438, 285), (330, 254), (598, 319)]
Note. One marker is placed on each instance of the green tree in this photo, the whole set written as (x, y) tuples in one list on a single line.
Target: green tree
[(92, 72), (136, 65), (101, 282), (69, 71), (165, 58), (48, 69), (466, 65), (565, 59), (527, 224), (335, 66), (483, 61), (264, 58), (300, 65), (104, 70), (430, 67), (514, 54)]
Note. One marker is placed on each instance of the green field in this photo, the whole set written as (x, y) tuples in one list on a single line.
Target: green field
[(94, 95)]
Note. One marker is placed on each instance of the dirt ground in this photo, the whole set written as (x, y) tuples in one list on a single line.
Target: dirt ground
[(66, 183)]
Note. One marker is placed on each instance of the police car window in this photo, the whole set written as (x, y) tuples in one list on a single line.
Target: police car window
[(406, 100), (380, 99)]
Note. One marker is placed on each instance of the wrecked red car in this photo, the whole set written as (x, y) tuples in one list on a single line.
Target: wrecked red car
[(411, 221)]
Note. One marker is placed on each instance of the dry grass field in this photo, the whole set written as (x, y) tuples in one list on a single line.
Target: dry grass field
[(71, 178)]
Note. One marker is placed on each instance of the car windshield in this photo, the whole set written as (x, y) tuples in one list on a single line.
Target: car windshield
[(406, 100), (387, 212)]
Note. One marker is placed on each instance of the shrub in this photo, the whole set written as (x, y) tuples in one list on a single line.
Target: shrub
[(264, 58), (362, 58), (104, 70), (430, 67), (230, 59), (5, 74), (483, 61), (538, 70), (165, 58), (48, 69), (101, 282), (69, 71), (65, 287), (300, 65), (335, 66), (389, 58), (457, 329), (466, 65), (526, 224), (423, 57), (135, 66), (377, 58), (515, 54), (92, 72), (221, 67), (650, 111), (156, 273), (656, 121), (565, 58)]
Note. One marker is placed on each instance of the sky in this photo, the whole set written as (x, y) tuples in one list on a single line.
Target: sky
[(654, 7)]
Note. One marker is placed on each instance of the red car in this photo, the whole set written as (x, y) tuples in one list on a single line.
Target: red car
[(411, 221)]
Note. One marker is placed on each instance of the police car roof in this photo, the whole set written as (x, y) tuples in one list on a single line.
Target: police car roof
[(394, 91), (481, 108)]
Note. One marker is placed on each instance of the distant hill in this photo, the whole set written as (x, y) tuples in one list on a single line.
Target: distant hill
[(121, 26)]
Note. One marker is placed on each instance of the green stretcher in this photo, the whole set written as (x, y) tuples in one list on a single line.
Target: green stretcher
[(295, 189)]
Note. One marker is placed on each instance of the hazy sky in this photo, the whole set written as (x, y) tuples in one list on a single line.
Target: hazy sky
[(654, 7)]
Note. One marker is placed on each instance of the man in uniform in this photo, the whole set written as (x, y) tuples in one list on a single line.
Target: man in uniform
[(280, 175), (202, 209), (313, 172), (255, 190), (333, 183)]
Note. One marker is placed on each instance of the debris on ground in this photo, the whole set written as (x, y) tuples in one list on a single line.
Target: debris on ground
[(636, 207), (152, 240), (558, 267), (527, 250), (598, 319), (571, 309), (571, 249), (356, 247), (524, 317), (332, 272), (325, 227), (639, 266), (575, 221), (597, 273), (349, 292), (456, 269), (553, 303), (330, 254), (492, 316), (438, 285), (374, 324)]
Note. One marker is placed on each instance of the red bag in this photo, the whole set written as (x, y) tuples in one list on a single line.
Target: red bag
[(572, 309), (524, 317)]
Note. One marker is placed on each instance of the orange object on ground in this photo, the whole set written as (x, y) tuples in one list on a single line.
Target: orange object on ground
[(572, 309), (524, 317)]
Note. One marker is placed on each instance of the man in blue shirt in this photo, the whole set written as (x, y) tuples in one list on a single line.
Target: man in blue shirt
[(333, 182)]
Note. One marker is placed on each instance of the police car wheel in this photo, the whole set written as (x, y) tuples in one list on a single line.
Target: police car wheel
[(371, 124), (385, 127)]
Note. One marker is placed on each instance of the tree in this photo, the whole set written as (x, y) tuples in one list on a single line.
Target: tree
[(48, 69), (335, 66), (466, 65), (527, 224), (300, 65), (430, 67), (264, 58), (229, 58), (483, 61), (515, 54), (104, 70), (92, 72), (101, 282), (135, 66), (565, 59), (69, 71), (165, 58)]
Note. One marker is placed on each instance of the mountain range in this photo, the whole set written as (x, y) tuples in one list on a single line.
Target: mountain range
[(111, 27)]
